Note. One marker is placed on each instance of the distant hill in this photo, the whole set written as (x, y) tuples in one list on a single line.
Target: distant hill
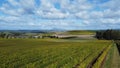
[(25, 31)]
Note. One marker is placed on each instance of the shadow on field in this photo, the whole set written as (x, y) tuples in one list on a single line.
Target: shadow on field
[(118, 47)]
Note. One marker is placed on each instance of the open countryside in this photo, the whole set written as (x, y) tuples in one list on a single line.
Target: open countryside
[(59, 33), (68, 51)]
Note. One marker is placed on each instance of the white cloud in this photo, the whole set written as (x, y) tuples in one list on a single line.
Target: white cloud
[(46, 8), (75, 6), (80, 11), (27, 4), (110, 21), (13, 2), (52, 15), (82, 15), (112, 4)]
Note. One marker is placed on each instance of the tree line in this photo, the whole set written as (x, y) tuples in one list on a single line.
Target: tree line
[(8, 34), (108, 34)]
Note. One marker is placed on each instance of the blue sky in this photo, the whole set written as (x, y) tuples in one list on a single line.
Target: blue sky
[(59, 14)]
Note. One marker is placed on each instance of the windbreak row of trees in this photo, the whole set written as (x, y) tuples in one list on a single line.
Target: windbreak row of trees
[(108, 34), (8, 34)]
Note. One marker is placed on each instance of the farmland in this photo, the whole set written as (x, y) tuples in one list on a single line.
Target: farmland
[(52, 53), (78, 32), (81, 32)]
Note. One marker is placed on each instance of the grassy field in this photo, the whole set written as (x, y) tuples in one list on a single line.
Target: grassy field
[(112, 59), (52, 53), (81, 32)]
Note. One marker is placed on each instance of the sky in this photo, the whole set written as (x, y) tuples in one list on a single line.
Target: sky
[(59, 14)]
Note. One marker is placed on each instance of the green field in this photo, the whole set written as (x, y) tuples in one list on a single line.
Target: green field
[(81, 32), (51, 53)]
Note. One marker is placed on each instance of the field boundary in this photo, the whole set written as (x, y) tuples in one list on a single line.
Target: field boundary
[(77, 65), (92, 63)]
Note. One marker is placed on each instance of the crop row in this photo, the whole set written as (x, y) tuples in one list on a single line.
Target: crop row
[(48, 54)]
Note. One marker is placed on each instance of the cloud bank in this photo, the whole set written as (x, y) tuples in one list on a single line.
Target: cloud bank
[(60, 14)]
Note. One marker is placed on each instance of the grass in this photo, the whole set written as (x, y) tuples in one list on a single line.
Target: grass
[(100, 59), (116, 58), (109, 58), (81, 32), (113, 58), (48, 53)]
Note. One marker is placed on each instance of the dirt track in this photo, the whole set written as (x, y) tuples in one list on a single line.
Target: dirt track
[(78, 36), (116, 59)]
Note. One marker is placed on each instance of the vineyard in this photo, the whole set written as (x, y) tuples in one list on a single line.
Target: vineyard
[(49, 53)]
